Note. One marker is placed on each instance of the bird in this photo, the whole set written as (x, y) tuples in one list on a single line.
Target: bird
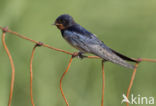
[(87, 42)]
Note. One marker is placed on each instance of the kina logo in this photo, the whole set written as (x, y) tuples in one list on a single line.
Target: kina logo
[(137, 99)]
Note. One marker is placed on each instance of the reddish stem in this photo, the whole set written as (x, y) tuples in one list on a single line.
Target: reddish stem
[(31, 75), (13, 69), (62, 79), (103, 84), (131, 82)]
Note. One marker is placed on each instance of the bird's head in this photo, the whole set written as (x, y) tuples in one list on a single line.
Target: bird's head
[(64, 21)]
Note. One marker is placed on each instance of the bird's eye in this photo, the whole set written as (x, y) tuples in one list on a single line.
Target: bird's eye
[(63, 21)]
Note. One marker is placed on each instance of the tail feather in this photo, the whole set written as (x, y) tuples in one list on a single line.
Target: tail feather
[(125, 64), (122, 62), (111, 55), (124, 57)]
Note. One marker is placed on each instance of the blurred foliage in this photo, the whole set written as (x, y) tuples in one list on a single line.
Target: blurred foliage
[(126, 26)]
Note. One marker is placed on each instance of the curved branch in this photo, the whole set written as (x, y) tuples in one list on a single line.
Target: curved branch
[(12, 66), (31, 75), (62, 79), (131, 82), (103, 84)]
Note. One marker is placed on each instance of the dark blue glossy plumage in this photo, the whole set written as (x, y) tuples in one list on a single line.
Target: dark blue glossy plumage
[(86, 42)]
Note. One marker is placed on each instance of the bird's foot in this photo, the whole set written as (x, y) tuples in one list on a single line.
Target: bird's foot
[(79, 55)]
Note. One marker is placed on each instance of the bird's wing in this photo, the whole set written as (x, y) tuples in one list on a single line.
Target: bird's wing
[(76, 39), (98, 48), (83, 40), (124, 57)]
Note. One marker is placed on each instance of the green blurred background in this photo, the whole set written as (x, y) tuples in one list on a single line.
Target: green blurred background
[(128, 26)]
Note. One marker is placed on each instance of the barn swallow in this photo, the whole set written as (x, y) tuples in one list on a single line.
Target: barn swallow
[(86, 42)]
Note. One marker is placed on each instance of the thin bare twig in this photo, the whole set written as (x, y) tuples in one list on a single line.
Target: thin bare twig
[(131, 82), (103, 84), (148, 60), (12, 66), (31, 75), (70, 61), (36, 42)]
